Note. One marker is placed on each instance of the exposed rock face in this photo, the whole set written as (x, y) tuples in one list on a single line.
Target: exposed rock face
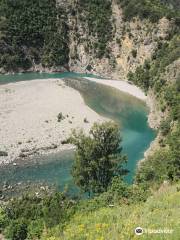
[(132, 43), (129, 43), (155, 115), (172, 72)]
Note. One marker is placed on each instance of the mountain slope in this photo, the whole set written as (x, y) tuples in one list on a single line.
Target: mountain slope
[(103, 36), (137, 40), (159, 212)]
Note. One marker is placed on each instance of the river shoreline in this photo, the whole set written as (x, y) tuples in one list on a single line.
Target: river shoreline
[(154, 116), (52, 147), (121, 85), (37, 117)]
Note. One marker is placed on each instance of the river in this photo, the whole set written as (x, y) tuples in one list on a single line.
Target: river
[(129, 112)]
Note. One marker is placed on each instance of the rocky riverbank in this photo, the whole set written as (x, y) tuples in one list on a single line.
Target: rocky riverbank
[(155, 115), (30, 111), (37, 117)]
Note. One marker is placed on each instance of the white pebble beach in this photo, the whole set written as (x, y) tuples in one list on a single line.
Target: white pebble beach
[(28, 117)]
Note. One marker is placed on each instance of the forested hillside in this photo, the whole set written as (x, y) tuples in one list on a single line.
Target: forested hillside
[(156, 75), (172, 3), (32, 32), (137, 40), (82, 35)]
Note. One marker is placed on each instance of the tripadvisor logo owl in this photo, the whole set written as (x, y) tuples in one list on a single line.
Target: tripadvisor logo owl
[(138, 231)]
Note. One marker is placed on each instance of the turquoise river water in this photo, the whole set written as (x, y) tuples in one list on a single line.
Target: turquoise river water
[(129, 112)]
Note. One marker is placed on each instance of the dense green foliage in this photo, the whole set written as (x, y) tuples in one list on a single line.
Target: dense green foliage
[(98, 157), (165, 163), (115, 208), (172, 3), (152, 10), (32, 32), (120, 221), (112, 215), (162, 165), (29, 215), (97, 14)]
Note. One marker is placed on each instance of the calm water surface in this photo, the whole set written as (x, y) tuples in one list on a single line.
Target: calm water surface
[(129, 112)]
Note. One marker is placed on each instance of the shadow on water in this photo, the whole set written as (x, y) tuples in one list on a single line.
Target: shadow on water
[(129, 112), (4, 79)]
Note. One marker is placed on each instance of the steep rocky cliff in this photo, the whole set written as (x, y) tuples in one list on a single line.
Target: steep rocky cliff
[(135, 40), (80, 36), (130, 43)]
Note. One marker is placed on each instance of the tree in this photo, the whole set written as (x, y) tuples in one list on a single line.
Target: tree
[(98, 157), (2, 217), (35, 229), (17, 230)]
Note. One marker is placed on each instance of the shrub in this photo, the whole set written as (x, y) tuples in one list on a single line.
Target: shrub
[(17, 230), (2, 219), (35, 229), (60, 117), (134, 53)]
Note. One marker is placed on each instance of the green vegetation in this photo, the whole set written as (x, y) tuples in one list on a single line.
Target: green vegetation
[(112, 215), (2, 219), (60, 117), (165, 163), (134, 53), (36, 32), (97, 14), (97, 169), (172, 3), (30, 215), (120, 221), (152, 10), (98, 157), (17, 230), (32, 32)]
